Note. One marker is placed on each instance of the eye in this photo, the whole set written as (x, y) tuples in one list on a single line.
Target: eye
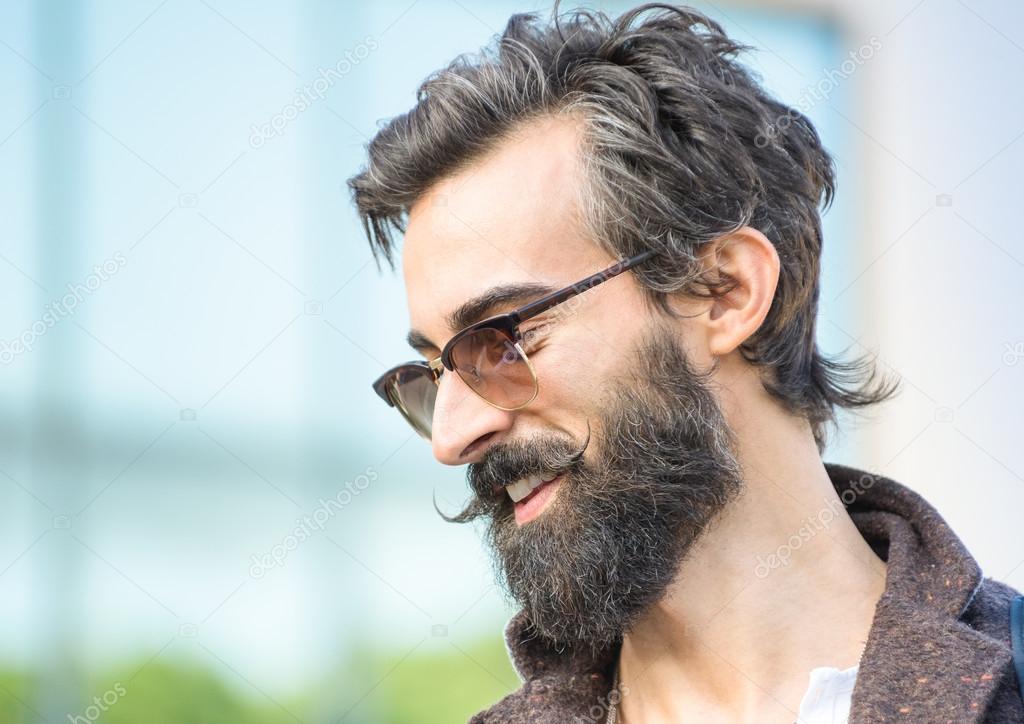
[(533, 336)]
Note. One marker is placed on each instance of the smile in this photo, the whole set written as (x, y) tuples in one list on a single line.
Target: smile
[(521, 489), (532, 495)]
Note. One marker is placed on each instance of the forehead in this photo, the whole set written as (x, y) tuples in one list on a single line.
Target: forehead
[(506, 218)]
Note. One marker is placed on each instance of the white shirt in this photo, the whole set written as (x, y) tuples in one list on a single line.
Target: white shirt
[(827, 700)]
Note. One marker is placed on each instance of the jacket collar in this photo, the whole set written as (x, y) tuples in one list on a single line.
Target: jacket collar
[(920, 662)]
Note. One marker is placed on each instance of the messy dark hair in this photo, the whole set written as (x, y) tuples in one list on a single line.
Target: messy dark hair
[(680, 146)]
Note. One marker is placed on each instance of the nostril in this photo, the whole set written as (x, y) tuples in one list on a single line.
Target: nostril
[(476, 445)]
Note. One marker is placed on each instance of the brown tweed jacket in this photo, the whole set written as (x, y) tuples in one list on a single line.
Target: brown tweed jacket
[(938, 649)]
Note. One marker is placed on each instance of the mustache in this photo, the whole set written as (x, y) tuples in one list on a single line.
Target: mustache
[(507, 462)]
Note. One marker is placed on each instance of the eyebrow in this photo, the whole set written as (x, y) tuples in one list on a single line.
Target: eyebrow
[(482, 306)]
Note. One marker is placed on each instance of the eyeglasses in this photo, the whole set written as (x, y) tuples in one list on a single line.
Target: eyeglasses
[(488, 356)]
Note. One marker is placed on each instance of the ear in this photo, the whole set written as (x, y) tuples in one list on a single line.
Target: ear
[(750, 265)]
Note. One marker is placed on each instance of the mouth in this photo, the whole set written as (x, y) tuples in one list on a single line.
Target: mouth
[(532, 494)]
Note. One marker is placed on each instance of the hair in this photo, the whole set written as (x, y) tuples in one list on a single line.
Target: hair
[(680, 146)]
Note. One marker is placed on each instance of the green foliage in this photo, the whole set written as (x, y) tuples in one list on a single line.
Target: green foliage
[(16, 696), (176, 693), (442, 683), (447, 685)]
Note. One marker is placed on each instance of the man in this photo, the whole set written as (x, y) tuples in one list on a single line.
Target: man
[(611, 252)]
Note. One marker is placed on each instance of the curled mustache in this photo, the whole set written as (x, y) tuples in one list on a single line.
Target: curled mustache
[(507, 462)]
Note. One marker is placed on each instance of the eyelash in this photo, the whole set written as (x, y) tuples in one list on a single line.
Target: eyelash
[(528, 337)]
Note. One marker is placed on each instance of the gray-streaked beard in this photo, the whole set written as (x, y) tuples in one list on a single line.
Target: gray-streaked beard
[(613, 539)]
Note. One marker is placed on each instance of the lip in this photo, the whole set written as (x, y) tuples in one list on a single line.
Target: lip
[(537, 501)]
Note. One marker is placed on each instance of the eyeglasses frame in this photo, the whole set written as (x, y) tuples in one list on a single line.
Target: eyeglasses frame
[(506, 323)]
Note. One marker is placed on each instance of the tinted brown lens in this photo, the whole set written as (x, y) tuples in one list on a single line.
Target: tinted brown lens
[(414, 392), (493, 366)]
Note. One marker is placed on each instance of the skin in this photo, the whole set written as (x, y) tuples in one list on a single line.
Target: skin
[(724, 644)]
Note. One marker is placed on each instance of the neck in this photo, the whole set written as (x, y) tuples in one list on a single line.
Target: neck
[(782, 582)]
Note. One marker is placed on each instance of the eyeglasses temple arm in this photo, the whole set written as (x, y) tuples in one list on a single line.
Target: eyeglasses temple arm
[(545, 303)]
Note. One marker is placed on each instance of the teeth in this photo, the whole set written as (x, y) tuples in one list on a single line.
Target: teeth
[(518, 490), (524, 486)]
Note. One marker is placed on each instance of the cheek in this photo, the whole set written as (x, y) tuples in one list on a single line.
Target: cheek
[(573, 370)]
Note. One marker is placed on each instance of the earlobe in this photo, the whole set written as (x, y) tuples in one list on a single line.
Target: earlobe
[(749, 261)]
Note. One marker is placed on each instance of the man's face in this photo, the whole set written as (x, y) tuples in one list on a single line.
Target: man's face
[(629, 430), (506, 220)]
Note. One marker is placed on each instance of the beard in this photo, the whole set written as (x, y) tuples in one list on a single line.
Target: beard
[(611, 542)]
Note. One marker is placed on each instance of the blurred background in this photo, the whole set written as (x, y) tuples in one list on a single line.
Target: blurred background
[(207, 516)]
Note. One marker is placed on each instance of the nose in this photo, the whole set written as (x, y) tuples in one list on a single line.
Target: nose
[(464, 424)]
